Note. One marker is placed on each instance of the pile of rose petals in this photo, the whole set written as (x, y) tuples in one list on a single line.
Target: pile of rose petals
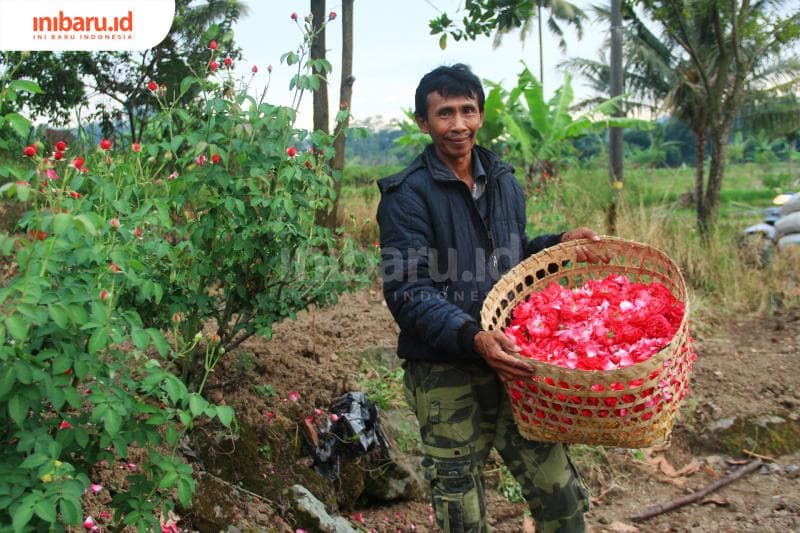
[(602, 325)]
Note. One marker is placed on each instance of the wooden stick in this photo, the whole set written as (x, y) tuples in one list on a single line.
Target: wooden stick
[(759, 456), (693, 497)]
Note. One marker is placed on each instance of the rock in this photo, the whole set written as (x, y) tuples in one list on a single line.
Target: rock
[(767, 434), (396, 480), (312, 516), (723, 423), (792, 471)]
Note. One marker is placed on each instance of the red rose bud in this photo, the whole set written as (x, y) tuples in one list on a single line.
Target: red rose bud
[(114, 223), (105, 144), (308, 165), (213, 66), (114, 268), (136, 147), (334, 417), (376, 244), (212, 45), (254, 69), (75, 194), (215, 159), (103, 295), (61, 146), (227, 62), (29, 150), (138, 233), (291, 151), (294, 17), (78, 162), (153, 86), (332, 15), (64, 425), (176, 318), (58, 156), (201, 160)]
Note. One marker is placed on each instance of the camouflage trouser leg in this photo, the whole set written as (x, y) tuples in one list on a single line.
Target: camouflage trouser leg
[(463, 412)]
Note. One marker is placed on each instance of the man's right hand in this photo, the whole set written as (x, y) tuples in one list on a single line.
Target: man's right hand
[(496, 350)]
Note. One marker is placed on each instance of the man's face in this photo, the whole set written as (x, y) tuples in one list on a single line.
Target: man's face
[(452, 123)]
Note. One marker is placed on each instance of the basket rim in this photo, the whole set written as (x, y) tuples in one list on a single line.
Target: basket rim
[(564, 251)]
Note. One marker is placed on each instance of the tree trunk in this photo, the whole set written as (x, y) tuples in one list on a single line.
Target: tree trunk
[(345, 97), (541, 51), (321, 119), (699, 182), (615, 150), (716, 169)]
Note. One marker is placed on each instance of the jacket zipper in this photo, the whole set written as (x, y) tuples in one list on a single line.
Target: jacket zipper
[(487, 230)]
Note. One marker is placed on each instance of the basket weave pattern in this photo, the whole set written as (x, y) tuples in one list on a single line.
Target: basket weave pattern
[(630, 407)]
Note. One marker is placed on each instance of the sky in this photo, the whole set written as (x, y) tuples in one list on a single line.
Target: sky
[(392, 50)]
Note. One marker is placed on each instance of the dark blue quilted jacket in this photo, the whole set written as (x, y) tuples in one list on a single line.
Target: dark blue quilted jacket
[(439, 257)]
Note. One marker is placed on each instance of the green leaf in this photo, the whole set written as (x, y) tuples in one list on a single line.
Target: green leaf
[(21, 516), (23, 192), (81, 368), (98, 340), (86, 224), (20, 124), (61, 223), (18, 327), (140, 338), (34, 460), (187, 83), (46, 510), (112, 422), (171, 434), (225, 415), (70, 511), (197, 404), (159, 341), (18, 409), (81, 437), (185, 490), (58, 316), (26, 86), (169, 480)]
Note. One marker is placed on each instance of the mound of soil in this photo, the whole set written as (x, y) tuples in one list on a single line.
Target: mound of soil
[(746, 366)]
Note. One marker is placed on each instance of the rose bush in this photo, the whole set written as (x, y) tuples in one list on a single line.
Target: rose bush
[(133, 271)]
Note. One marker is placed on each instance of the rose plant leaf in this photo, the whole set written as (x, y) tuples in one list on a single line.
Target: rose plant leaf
[(61, 223), (159, 341), (46, 509), (25, 86), (18, 409), (70, 511), (20, 124), (18, 327), (112, 422), (99, 339), (185, 490), (225, 414), (58, 316), (140, 337), (21, 516)]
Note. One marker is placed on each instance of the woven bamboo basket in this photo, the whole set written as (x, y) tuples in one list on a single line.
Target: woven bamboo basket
[(631, 407)]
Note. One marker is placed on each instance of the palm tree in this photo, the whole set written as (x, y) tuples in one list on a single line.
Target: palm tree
[(559, 11), (710, 62)]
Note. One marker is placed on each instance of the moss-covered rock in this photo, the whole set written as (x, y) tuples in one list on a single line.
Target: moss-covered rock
[(770, 434)]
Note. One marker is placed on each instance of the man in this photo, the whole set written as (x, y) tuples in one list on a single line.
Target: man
[(451, 224)]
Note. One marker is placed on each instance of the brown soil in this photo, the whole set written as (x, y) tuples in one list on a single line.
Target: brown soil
[(746, 365)]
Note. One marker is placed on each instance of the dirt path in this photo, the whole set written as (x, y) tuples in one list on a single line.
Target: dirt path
[(746, 366)]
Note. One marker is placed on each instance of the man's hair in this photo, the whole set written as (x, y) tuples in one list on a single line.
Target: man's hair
[(455, 80)]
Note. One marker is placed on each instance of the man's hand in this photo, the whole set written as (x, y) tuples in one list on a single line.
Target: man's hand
[(584, 253), (495, 348)]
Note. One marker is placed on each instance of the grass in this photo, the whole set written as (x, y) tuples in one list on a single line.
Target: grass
[(384, 387)]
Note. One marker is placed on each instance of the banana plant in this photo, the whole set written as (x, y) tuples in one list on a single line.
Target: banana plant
[(537, 134)]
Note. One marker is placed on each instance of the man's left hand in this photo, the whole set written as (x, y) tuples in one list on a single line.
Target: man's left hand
[(584, 252)]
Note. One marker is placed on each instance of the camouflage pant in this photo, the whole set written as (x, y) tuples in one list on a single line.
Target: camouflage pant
[(463, 412)]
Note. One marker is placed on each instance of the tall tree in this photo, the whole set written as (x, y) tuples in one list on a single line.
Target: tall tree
[(615, 89), (321, 107), (345, 97), (121, 78), (501, 16)]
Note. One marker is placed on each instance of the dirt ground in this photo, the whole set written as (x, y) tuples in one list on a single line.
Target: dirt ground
[(746, 366)]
